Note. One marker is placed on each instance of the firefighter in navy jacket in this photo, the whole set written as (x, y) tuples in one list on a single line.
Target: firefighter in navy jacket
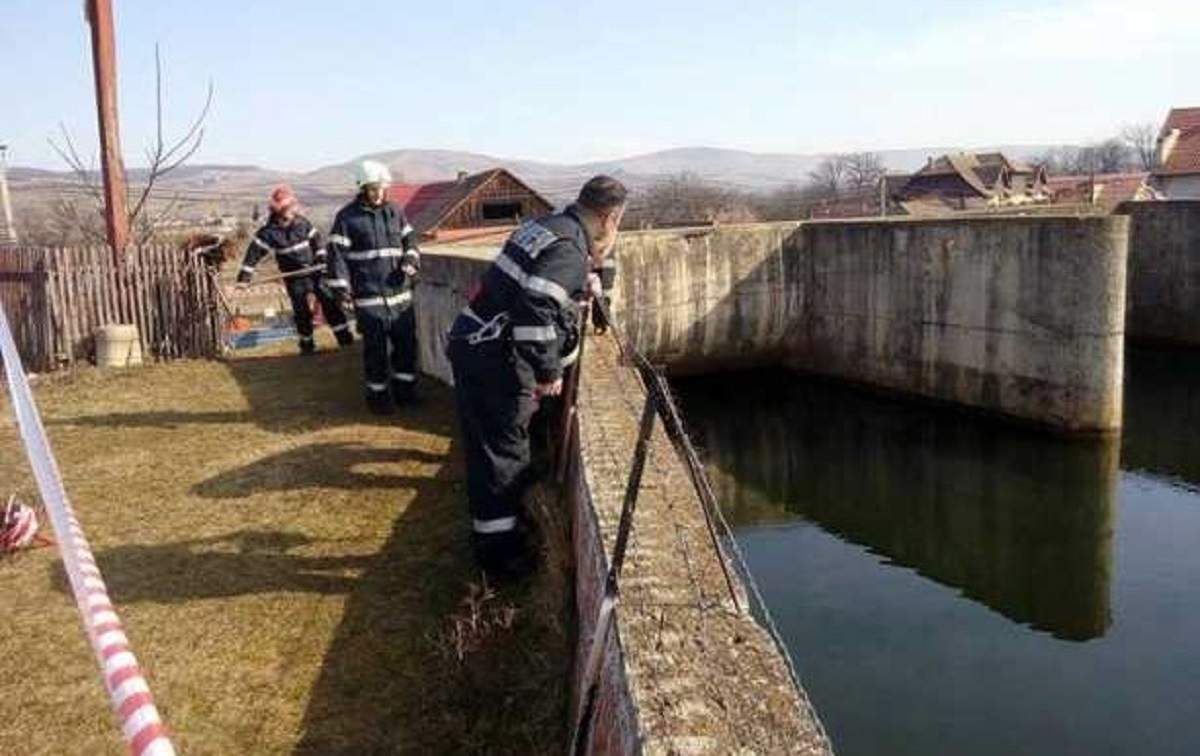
[(374, 259), (508, 349), (296, 245)]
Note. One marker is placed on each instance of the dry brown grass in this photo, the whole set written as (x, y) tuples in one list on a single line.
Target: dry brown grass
[(286, 566)]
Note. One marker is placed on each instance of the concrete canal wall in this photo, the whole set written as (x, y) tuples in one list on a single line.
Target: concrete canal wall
[(1021, 317), (1164, 272), (681, 672)]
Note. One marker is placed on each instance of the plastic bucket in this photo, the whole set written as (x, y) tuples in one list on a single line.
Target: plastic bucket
[(118, 346)]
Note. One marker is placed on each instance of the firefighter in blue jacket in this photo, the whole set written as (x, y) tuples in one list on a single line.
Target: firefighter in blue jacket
[(296, 246), (508, 349), (373, 259)]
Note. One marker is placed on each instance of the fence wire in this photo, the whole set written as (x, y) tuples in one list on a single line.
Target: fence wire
[(725, 541)]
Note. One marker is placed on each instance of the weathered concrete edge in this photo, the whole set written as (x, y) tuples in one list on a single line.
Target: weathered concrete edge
[(1163, 303), (1014, 316)]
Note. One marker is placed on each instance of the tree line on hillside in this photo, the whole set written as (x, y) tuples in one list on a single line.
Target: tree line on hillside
[(687, 198)]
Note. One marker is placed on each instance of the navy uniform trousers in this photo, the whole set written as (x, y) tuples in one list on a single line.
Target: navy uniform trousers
[(494, 410), (389, 336), (298, 290)]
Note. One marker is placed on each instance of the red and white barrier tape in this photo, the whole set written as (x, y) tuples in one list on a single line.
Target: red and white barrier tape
[(127, 689)]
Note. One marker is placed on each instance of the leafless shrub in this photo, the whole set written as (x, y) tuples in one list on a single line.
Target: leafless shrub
[(147, 211)]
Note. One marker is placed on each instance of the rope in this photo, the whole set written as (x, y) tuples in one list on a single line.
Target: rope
[(141, 725)]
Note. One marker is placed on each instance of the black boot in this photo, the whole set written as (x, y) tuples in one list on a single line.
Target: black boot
[(404, 392), (380, 403), (344, 337), (307, 346), (503, 556)]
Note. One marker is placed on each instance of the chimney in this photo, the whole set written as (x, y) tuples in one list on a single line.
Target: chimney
[(462, 176), (8, 232)]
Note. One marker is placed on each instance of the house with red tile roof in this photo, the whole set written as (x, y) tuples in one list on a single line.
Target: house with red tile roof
[(972, 181), (471, 206), (1177, 173), (1104, 191)]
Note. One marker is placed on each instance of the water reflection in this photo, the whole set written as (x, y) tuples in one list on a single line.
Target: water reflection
[(1018, 521), (1162, 415)]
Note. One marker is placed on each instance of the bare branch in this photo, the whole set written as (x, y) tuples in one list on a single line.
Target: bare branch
[(86, 176), (152, 225), (161, 156), (162, 159), (829, 175), (196, 132), (1142, 141)]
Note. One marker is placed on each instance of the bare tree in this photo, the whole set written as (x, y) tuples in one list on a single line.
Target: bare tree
[(785, 203), (147, 211), (862, 171), (829, 175), (1109, 156), (1141, 139), (686, 198), (1057, 160)]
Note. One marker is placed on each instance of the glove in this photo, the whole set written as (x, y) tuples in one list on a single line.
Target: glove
[(595, 286), (409, 270)]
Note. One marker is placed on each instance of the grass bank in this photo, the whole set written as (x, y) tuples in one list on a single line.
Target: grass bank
[(294, 574)]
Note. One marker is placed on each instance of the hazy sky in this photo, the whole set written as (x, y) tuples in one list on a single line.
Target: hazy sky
[(310, 82)]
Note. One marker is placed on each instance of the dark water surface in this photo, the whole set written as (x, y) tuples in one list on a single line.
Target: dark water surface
[(951, 585)]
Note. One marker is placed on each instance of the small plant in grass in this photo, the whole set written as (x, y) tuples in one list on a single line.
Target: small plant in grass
[(480, 617)]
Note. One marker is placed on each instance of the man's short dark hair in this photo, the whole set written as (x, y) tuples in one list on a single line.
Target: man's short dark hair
[(602, 194)]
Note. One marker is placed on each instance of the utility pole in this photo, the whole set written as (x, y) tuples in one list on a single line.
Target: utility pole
[(104, 63), (8, 233)]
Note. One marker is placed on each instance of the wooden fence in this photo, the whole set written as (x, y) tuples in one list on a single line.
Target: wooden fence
[(56, 298)]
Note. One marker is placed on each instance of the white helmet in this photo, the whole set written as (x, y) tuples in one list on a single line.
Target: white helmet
[(372, 172)]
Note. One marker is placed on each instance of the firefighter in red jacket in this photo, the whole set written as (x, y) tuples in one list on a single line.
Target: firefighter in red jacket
[(296, 245)]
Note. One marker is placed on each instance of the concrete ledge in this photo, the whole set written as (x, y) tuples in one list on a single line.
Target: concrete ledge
[(1164, 272), (700, 677), (1022, 317)]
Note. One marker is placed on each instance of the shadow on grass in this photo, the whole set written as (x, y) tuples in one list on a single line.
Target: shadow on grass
[(284, 393), (235, 564), (389, 681), (325, 465)]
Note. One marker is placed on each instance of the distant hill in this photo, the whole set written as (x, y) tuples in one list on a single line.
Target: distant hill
[(328, 185)]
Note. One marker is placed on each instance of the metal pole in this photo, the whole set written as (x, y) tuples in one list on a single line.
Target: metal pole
[(104, 64), (612, 583), (9, 233), (570, 397)]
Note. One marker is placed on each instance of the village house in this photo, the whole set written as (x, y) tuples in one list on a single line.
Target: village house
[(1104, 191), (1177, 169), (972, 181), (471, 206)]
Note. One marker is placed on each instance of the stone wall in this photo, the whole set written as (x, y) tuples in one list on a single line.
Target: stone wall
[(1164, 272), (1022, 317)]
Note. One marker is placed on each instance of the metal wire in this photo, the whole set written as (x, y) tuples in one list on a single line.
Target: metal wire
[(685, 449)]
